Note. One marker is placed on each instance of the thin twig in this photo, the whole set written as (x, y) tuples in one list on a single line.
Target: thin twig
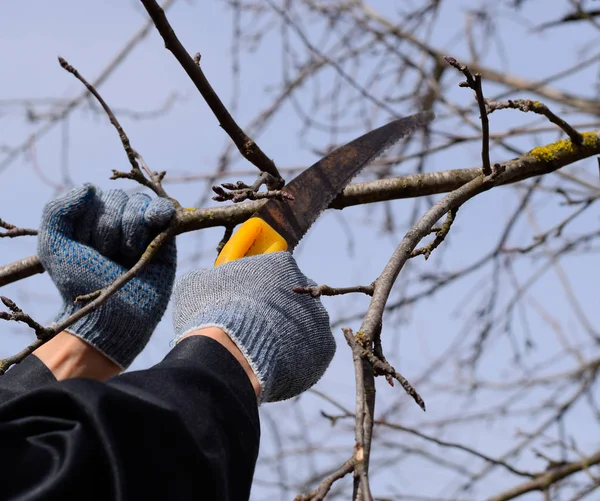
[(70, 105), (247, 147), (474, 82), (240, 191), (156, 176), (18, 315), (382, 367), (12, 231), (453, 445), (325, 486), (226, 237), (135, 174), (527, 105), (17, 358), (325, 290), (440, 235)]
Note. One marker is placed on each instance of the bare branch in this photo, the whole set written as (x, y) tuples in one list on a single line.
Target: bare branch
[(325, 486), (325, 290), (381, 367), (135, 174), (526, 105), (474, 82), (12, 231), (365, 407), (225, 239), (539, 161), (18, 315), (440, 235), (545, 479), (239, 192), (17, 358), (247, 147)]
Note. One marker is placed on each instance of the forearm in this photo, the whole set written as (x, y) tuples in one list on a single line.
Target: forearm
[(187, 426)]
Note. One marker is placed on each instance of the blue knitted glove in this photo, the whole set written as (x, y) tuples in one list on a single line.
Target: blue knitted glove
[(87, 239), (284, 336)]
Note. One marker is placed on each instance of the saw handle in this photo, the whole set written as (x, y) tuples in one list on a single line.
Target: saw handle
[(254, 237)]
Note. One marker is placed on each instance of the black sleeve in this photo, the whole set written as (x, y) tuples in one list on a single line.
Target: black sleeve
[(30, 374), (187, 428)]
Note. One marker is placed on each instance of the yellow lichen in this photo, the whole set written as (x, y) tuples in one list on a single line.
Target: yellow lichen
[(590, 140), (549, 152)]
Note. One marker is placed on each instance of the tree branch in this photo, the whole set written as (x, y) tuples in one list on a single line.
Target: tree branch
[(474, 83), (324, 487), (527, 105), (154, 183), (12, 231), (539, 161), (545, 479), (325, 290), (247, 147)]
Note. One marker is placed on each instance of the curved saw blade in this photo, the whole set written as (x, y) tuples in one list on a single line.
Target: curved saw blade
[(315, 188)]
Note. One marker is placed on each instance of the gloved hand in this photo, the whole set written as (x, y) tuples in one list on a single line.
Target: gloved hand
[(284, 336), (86, 240)]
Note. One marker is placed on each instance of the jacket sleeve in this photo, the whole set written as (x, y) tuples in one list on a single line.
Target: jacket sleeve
[(30, 374), (187, 428)]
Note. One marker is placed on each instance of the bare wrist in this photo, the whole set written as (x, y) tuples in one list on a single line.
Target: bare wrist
[(68, 356), (220, 336)]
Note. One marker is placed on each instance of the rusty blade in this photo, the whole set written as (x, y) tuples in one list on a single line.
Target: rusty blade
[(317, 186)]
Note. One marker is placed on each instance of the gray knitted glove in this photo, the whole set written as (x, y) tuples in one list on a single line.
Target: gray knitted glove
[(285, 336), (86, 240)]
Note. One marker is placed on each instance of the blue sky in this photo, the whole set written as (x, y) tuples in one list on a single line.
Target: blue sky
[(188, 140)]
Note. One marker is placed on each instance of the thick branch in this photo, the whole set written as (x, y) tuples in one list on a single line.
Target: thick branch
[(365, 409), (537, 162)]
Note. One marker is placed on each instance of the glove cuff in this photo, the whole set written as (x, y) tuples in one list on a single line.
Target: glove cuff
[(120, 345), (250, 333)]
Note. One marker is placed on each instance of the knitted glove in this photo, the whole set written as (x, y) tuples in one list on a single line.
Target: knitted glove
[(87, 239), (285, 336)]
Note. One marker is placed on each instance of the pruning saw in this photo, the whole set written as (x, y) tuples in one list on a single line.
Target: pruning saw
[(280, 224)]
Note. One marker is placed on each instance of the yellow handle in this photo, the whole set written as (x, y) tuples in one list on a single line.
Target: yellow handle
[(254, 237)]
